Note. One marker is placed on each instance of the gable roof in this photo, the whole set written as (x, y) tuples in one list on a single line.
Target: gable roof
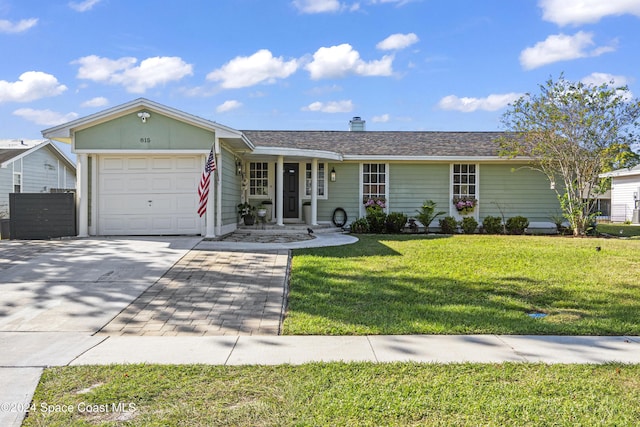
[(10, 155), (64, 132), (382, 144)]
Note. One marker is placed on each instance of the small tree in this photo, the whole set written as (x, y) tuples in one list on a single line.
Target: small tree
[(572, 132), (427, 214)]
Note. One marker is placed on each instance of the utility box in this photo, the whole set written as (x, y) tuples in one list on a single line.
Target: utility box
[(635, 218)]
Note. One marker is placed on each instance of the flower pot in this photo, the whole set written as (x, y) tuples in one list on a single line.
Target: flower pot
[(249, 220)]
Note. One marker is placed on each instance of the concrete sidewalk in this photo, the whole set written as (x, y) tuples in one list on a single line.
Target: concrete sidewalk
[(25, 354)]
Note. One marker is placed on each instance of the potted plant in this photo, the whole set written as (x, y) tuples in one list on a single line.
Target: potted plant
[(247, 212), (465, 205)]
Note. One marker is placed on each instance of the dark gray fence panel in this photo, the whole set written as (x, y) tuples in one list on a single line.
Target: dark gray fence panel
[(42, 215)]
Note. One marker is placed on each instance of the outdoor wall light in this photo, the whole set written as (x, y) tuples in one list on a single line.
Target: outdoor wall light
[(238, 167), (144, 116), (333, 175)]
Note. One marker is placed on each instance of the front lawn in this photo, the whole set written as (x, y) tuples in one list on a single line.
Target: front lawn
[(467, 284), (339, 394), (621, 230)]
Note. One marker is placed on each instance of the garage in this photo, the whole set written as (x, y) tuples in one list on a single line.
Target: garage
[(147, 195)]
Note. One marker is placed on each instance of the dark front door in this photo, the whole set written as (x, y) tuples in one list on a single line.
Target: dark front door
[(291, 191)]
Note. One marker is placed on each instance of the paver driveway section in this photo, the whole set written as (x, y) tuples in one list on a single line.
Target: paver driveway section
[(79, 285), (211, 293)]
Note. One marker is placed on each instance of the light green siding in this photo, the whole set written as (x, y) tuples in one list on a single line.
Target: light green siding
[(517, 190), (343, 193), (231, 188), (129, 133), (411, 184)]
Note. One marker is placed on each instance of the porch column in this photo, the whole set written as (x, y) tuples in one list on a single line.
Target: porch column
[(279, 189), (314, 192), (82, 194), (217, 184)]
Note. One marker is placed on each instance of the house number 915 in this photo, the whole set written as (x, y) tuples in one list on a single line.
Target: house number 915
[(145, 140)]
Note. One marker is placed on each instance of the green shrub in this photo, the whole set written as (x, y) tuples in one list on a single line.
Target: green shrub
[(448, 225), (469, 225), (377, 220), (517, 225), (492, 225), (395, 222), (360, 226)]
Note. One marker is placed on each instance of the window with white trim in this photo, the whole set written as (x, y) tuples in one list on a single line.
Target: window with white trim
[(321, 180), (259, 179), (374, 180), (17, 182), (464, 180)]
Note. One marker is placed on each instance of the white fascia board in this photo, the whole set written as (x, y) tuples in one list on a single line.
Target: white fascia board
[(433, 158), (621, 172), (126, 152), (297, 152)]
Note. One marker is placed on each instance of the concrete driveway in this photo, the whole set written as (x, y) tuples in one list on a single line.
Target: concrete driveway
[(79, 285)]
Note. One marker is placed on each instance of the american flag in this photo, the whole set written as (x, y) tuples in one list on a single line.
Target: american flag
[(205, 180)]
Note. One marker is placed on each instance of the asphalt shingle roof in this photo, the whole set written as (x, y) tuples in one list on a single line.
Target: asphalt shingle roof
[(10, 153), (374, 143)]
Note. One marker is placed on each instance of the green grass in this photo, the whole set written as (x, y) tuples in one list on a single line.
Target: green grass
[(621, 230), (356, 394), (466, 285)]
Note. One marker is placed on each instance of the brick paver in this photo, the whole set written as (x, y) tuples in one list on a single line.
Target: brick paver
[(211, 293)]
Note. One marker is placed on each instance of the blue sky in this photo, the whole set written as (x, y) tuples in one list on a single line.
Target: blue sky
[(305, 64)]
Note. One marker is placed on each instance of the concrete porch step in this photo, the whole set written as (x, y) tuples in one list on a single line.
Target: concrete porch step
[(291, 228)]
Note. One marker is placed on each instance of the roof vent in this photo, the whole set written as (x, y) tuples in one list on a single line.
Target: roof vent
[(356, 124)]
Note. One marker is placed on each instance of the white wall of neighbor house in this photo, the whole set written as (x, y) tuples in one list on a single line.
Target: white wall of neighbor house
[(624, 192)]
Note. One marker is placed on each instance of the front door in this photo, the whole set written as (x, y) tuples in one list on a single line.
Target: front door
[(291, 191)]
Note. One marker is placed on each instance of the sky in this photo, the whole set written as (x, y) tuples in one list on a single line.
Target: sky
[(402, 65)]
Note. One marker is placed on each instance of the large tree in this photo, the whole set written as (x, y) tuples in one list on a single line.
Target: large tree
[(572, 132)]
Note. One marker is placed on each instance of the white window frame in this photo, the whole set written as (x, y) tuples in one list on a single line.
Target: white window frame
[(464, 181), (17, 181), (262, 190), (322, 181), (362, 184)]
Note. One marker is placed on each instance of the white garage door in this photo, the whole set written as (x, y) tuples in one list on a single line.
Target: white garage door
[(154, 195)]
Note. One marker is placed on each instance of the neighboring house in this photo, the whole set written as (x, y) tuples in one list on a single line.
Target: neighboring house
[(33, 166), (625, 194), (139, 165)]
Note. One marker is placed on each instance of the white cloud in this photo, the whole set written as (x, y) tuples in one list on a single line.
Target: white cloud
[(136, 79), (345, 106), (99, 101), (561, 47), (342, 60), (598, 79), (244, 71), (563, 12), (398, 41), (381, 119), (83, 6), (229, 105), (467, 105), (17, 27), (317, 6), (44, 117), (31, 85)]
